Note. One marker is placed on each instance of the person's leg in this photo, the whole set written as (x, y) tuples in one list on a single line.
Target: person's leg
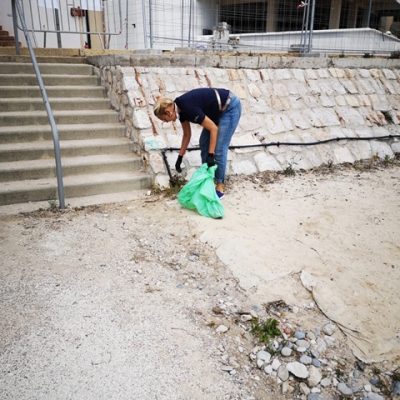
[(204, 143), (226, 128)]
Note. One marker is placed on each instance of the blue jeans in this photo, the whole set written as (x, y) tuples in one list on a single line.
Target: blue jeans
[(226, 127)]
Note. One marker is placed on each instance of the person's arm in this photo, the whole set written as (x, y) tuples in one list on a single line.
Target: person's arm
[(213, 129), (187, 134)]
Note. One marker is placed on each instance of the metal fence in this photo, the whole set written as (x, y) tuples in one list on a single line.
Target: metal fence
[(72, 23), (362, 26)]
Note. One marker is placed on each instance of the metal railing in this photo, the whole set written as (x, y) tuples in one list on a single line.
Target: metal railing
[(61, 17), (19, 17)]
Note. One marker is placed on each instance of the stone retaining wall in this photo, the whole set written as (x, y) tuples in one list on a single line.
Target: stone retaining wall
[(286, 99)]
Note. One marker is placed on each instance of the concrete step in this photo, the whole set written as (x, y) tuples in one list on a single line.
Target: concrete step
[(15, 118), (48, 79), (7, 43), (57, 103), (46, 68), (27, 133), (69, 148), (45, 168), (74, 186), (52, 91), (12, 57)]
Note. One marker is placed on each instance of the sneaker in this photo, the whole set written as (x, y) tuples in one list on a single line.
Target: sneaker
[(220, 194)]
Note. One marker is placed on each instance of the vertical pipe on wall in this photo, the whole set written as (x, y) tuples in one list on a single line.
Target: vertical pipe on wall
[(369, 14), (311, 26), (144, 23), (151, 23)]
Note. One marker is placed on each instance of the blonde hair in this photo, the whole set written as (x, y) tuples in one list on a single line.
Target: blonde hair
[(161, 105)]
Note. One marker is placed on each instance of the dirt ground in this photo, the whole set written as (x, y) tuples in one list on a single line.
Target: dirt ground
[(124, 301)]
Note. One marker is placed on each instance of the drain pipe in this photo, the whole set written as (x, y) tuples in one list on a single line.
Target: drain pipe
[(278, 144)]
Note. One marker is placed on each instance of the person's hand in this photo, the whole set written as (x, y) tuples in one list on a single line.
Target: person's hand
[(210, 160), (178, 163)]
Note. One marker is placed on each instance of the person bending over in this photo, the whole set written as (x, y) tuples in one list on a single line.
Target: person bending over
[(218, 111)]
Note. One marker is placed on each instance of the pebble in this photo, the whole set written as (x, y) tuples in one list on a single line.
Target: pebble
[(304, 388), (246, 317), (268, 369), (374, 380), (329, 329), (285, 387), (311, 335), (263, 356), (313, 396), (297, 369), (286, 351), (306, 360), (316, 362), (396, 388), (325, 382), (314, 377), (283, 373), (373, 396), (344, 389), (300, 335), (222, 329), (275, 364)]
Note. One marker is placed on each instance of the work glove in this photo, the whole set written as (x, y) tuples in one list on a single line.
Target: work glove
[(210, 160), (178, 164)]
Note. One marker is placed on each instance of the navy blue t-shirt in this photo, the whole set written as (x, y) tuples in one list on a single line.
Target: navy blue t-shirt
[(196, 104)]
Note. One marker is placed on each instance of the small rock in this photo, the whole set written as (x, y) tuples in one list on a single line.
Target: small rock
[(396, 388), (227, 368), (306, 360), (314, 352), (329, 329), (374, 380), (283, 373), (303, 343), (285, 387), (315, 390), (330, 341), (264, 356), (367, 388), (300, 335), (316, 363), (297, 369), (304, 388), (313, 396), (222, 329), (275, 364), (314, 377), (246, 317), (344, 389), (325, 382), (286, 351), (311, 335), (360, 365), (268, 369), (373, 396)]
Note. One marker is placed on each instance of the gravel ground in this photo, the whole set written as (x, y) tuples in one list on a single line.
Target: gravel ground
[(126, 302)]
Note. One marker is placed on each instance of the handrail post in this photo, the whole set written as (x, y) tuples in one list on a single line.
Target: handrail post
[(14, 16), (55, 135)]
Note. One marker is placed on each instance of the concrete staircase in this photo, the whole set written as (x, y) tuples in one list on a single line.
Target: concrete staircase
[(5, 39), (96, 157)]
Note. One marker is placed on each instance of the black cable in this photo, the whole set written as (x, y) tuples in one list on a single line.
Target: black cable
[(244, 146)]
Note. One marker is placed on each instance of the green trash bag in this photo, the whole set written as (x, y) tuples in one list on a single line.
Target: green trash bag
[(199, 193)]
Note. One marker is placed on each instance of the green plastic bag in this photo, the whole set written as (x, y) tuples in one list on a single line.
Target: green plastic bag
[(199, 193)]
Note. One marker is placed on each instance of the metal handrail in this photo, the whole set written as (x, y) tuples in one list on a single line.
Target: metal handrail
[(16, 5)]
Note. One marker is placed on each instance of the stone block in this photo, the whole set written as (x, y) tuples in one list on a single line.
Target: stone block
[(254, 90), (323, 73), (141, 119), (279, 89), (379, 103), (154, 143), (252, 75), (361, 150), (314, 87), (337, 86), (396, 147), (162, 181), (300, 120), (351, 100), (381, 149), (349, 86), (342, 154), (156, 162), (364, 73), (311, 74), (244, 167), (327, 101), (266, 74), (248, 62), (274, 124), (298, 74), (282, 74), (244, 140), (350, 116), (266, 162), (327, 116)]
